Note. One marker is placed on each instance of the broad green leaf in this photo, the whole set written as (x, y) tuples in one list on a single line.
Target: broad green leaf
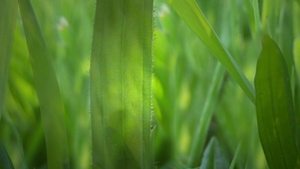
[(5, 160), (195, 19), (8, 15), (121, 70), (206, 116), (51, 107), (274, 106), (278, 23)]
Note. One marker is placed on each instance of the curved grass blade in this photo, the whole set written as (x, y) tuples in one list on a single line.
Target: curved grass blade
[(236, 155), (8, 16), (209, 155), (5, 160), (19, 144), (206, 116), (297, 89), (121, 70), (47, 90), (213, 157), (195, 19), (274, 106)]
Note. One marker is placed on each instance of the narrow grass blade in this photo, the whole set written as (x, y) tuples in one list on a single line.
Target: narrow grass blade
[(250, 10), (256, 15), (121, 70), (8, 15), (189, 11), (5, 160), (206, 116), (236, 155), (213, 157), (297, 89), (297, 54), (274, 106), (51, 107), (296, 16), (19, 144), (209, 155), (270, 16)]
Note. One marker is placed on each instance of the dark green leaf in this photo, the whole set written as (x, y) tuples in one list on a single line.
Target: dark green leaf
[(8, 15), (274, 105), (4, 158)]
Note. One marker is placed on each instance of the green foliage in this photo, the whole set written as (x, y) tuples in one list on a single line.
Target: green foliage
[(206, 116), (85, 100), (121, 70), (213, 157), (8, 14), (193, 16), (5, 161), (47, 90), (275, 110)]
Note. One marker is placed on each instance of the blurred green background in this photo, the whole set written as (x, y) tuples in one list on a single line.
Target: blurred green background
[(183, 71)]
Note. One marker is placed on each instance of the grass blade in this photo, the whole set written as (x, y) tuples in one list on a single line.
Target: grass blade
[(236, 155), (297, 89), (8, 15), (256, 15), (297, 54), (121, 66), (47, 90), (213, 157), (209, 155), (4, 158), (189, 11), (275, 111), (206, 116)]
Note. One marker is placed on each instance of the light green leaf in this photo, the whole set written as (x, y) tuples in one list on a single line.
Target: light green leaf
[(8, 15), (121, 70), (274, 105), (51, 106), (5, 160), (189, 11)]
